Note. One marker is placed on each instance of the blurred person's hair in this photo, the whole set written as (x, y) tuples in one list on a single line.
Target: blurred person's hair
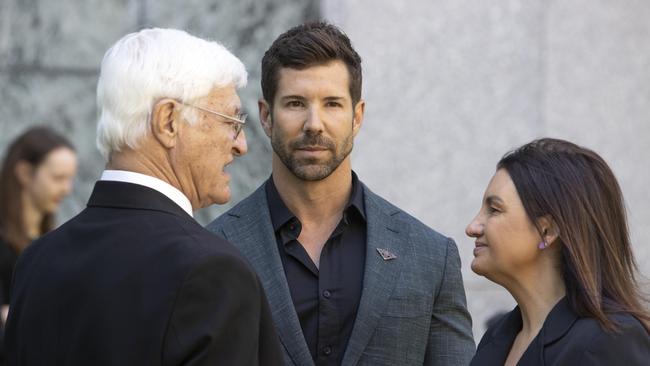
[(576, 188), (144, 67), (32, 147), (307, 45)]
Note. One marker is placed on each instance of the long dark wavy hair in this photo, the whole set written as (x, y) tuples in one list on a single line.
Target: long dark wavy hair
[(32, 146), (577, 189)]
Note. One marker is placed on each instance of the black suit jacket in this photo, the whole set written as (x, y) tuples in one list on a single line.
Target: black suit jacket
[(134, 280), (567, 339)]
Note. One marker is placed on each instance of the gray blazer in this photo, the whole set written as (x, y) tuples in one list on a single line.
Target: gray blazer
[(412, 309)]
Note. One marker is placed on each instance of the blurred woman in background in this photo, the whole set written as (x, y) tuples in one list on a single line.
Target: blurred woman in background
[(37, 174), (552, 230)]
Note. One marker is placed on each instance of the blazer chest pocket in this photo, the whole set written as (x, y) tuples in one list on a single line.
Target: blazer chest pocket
[(400, 337), (404, 306)]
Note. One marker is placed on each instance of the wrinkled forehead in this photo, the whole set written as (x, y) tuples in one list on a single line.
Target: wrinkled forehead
[(225, 98)]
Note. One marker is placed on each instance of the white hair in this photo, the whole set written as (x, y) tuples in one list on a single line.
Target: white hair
[(151, 64)]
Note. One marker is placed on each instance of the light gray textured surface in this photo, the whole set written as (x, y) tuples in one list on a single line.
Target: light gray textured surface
[(598, 94), (49, 62), (452, 85)]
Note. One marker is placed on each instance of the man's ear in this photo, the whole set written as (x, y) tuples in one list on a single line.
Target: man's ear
[(265, 116), (357, 120), (165, 121), (550, 230), (24, 172)]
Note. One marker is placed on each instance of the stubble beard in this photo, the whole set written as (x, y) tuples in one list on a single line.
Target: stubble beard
[(312, 169)]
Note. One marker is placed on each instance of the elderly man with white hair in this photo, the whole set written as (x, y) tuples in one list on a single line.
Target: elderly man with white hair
[(134, 279)]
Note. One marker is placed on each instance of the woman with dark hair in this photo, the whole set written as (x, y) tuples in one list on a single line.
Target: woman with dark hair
[(36, 175), (552, 230)]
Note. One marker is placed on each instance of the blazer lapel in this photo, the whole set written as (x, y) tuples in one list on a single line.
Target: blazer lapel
[(496, 345), (381, 273), (496, 342), (253, 234), (558, 322)]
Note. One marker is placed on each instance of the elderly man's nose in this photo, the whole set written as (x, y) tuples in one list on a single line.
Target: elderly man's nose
[(240, 147)]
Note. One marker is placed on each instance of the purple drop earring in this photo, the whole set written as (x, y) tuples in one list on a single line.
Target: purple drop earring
[(542, 245)]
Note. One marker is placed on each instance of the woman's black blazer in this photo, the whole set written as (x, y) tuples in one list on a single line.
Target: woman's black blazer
[(567, 339)]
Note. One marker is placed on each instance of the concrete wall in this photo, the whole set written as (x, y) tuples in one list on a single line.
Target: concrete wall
[(452, 85), (50, 53)]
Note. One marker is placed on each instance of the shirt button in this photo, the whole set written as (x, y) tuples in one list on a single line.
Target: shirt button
[(327, 350), (327, 294)]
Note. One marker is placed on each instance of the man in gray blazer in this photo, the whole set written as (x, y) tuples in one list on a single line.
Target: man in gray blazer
[(351, 279)]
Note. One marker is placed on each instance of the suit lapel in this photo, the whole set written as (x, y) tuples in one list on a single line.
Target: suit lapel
[(380, 275), (497, 341), (495, 349), (557, 323), (252, 232)]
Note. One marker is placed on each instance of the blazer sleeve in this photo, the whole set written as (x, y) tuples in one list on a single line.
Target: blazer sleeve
[(219, 318), (450, 336), (630, 347)]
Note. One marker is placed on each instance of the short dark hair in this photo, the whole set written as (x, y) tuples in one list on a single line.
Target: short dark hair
[(577, 189), (306, 45)]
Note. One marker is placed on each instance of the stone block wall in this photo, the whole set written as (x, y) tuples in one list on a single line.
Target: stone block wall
[(50, 52)]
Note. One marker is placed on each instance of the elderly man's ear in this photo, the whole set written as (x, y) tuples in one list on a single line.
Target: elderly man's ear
[(165, 122)]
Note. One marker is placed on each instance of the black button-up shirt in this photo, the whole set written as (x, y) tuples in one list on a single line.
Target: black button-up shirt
[(326, 298)]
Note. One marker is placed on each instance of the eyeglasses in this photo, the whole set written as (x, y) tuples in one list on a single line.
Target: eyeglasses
[(237, 123)]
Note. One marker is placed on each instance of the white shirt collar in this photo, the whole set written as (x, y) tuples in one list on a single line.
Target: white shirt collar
[(161, 186)]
